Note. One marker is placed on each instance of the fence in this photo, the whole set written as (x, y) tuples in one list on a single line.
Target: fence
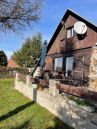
[(57, 104), (7, 74)]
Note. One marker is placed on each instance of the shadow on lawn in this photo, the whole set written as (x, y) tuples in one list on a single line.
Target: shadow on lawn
[(25, 125), (15, 111), (59, 125)]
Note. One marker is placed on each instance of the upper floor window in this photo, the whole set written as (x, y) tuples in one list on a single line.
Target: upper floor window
[(70, 32), (58, 64)]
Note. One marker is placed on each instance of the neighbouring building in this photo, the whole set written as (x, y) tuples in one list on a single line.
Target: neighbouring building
[(72, 58), (11, 63)]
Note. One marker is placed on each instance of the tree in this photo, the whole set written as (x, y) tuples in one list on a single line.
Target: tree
[(29, 52), (3, 59), (15, 14)]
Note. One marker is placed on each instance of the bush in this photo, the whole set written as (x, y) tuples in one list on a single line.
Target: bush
[(3, 58)]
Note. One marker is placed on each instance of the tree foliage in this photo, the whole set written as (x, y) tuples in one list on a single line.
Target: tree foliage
[(29, 52), (15, 14), (3, 59)]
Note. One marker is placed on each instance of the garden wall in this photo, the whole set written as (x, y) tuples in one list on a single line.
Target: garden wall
[(57, 104)]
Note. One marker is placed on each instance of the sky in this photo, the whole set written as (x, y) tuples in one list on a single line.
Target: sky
[(52, 13)]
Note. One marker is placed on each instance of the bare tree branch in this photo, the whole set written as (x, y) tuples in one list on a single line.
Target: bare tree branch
[(16, 14)]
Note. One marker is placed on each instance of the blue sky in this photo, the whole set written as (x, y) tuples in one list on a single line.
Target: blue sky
[(52, 12)]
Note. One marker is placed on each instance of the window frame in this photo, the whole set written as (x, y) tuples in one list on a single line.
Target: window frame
[(71, 33), (66, 73), (55, 69)]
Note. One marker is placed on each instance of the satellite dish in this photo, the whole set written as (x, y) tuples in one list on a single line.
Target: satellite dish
[(80, 27), (96, 44)]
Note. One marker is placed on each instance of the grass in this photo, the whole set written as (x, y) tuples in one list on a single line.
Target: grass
[(18, 112)]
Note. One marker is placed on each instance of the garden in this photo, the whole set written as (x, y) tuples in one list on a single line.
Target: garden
[(18, 112)]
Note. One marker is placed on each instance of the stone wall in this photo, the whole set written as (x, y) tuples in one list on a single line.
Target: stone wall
[(58, 105), (68, 113), (93, 70), (27, 88)]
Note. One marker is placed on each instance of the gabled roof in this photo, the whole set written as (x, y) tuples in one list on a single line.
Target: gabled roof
[(69, 12), (11, 63)]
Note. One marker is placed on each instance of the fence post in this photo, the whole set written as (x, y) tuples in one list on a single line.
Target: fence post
[(16, 78), (28, 80)]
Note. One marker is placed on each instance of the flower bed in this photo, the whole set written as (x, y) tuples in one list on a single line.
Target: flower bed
[(81, 103)]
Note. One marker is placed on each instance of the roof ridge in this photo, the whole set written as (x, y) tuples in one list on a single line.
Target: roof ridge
[(83, 17)]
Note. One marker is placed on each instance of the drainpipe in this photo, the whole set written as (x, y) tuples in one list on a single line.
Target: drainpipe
[(43, 55)]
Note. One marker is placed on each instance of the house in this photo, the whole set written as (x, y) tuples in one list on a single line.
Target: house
[(11, 63), (68, 57)]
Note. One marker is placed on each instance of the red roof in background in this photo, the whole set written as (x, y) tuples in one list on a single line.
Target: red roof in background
[(11, 63)]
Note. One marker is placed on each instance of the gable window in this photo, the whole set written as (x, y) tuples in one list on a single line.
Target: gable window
[(69, 66), (58, 64), (70, 32)]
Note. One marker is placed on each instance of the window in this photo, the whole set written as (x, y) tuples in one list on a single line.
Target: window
[(70, 32), (69, 66), (58, 64)]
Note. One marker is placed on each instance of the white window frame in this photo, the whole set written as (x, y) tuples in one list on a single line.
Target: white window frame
[(70, 32)]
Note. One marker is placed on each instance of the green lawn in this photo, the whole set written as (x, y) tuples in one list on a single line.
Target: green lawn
[(18, 112)]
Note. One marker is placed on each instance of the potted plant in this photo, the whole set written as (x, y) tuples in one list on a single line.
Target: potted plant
[(40, 87)]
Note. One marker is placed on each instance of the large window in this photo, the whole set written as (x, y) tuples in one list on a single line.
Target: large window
[(69, 66), (58, 64), (70, 32)]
